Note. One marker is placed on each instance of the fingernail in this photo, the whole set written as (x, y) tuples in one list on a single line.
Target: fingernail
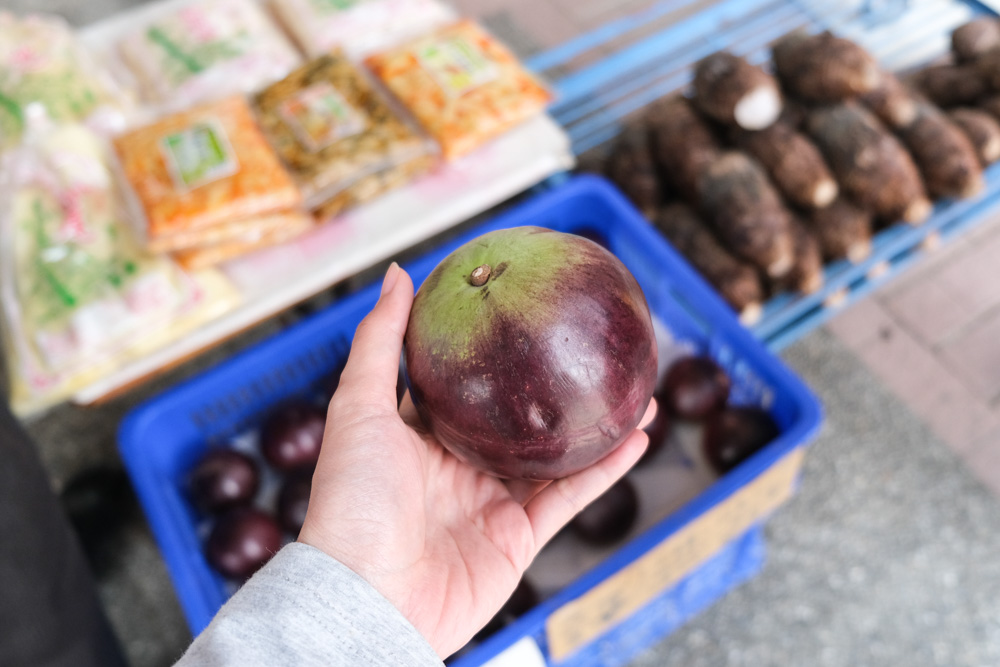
[(390, 278)]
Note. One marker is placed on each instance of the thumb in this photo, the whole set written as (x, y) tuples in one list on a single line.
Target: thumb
[(373, 364)]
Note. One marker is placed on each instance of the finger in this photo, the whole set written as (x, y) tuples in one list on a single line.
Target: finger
[(561, 500), (649, 415), (523, 490), (373, 364)]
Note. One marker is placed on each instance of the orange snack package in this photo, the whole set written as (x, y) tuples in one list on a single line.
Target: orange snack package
[(199, 175), (463, 86)]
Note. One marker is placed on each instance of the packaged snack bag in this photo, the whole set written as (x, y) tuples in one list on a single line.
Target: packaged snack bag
[(463, 86), (41, 63), (359, 27), (208, 50), (203, 175), (337, 134), (77, 287)]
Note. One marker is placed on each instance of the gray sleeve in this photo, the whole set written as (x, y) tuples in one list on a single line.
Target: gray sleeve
[(304, 608)]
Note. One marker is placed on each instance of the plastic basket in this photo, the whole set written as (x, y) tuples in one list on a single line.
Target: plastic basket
[(161, 439)]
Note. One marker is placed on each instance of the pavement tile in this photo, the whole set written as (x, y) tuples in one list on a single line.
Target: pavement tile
[(975, 356), (902, 363), (983, 461), (860, 323), (974, 274), (956, 415), (935, 394), (930, 308)]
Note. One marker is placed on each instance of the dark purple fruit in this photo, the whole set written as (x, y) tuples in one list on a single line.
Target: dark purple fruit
[(735, 434), (695, 387), (291, 436), (609, 518), (242, 541), (293, 499), (531, 353), (522, 600), (222, 479)]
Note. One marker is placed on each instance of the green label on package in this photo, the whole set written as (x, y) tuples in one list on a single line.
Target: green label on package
[(320, 116), (457, 65), (198, 155), (333, 6)]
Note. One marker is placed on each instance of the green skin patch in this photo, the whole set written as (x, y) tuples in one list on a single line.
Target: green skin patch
[(453, 312)]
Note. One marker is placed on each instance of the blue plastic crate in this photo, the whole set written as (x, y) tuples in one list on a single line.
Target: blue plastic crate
[(162, 438)]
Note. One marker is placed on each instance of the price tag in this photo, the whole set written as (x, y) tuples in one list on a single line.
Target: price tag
[(578, 622)]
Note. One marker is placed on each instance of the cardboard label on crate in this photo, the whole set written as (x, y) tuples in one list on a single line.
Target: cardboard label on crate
[(578, 622)]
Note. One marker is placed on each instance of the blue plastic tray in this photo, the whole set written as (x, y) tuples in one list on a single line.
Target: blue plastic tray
[(654, 51), (161, 439)]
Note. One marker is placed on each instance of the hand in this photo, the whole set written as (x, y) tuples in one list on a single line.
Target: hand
[(443, 542)]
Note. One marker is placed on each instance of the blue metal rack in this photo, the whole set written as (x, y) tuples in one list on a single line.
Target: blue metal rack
[(594, 102)]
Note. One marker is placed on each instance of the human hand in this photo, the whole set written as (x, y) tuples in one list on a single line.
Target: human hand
[(445, 543)]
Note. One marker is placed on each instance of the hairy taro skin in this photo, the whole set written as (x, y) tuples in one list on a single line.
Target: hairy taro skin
[(542, 371)]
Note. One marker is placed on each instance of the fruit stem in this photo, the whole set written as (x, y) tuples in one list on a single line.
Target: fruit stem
[(480, 275)]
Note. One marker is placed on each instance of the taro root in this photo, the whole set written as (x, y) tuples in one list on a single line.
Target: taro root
[(806, 275), (991, 105), (630, 166), (292, 435), (735, 434), (824, 68), (732, 91), (843, 229), (747, 213), (242, 541), (870, 164), (608, 518), (892, 102), (793, 162), (530, 353), (944, 155), (694, 388), (971, 40), (683, 145), (951, 85), (223, 478), (735, 280), (981, 129)]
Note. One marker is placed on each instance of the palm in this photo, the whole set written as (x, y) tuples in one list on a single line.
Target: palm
[(444, 543)]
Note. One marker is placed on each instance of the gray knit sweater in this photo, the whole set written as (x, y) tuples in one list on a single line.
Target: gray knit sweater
[(302, 609)]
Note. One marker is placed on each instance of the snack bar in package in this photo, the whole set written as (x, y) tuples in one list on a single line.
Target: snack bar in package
[(41, 63), (204, 176), (463, 86), (359, 27), (76, 286), (338, 136), (207, 50)]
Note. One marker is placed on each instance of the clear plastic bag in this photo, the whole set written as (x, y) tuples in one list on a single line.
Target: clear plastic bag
[(76, 285), (359, 27), (334, 131), (203, 175), (207, 50), (463, 86), (41, 63)]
